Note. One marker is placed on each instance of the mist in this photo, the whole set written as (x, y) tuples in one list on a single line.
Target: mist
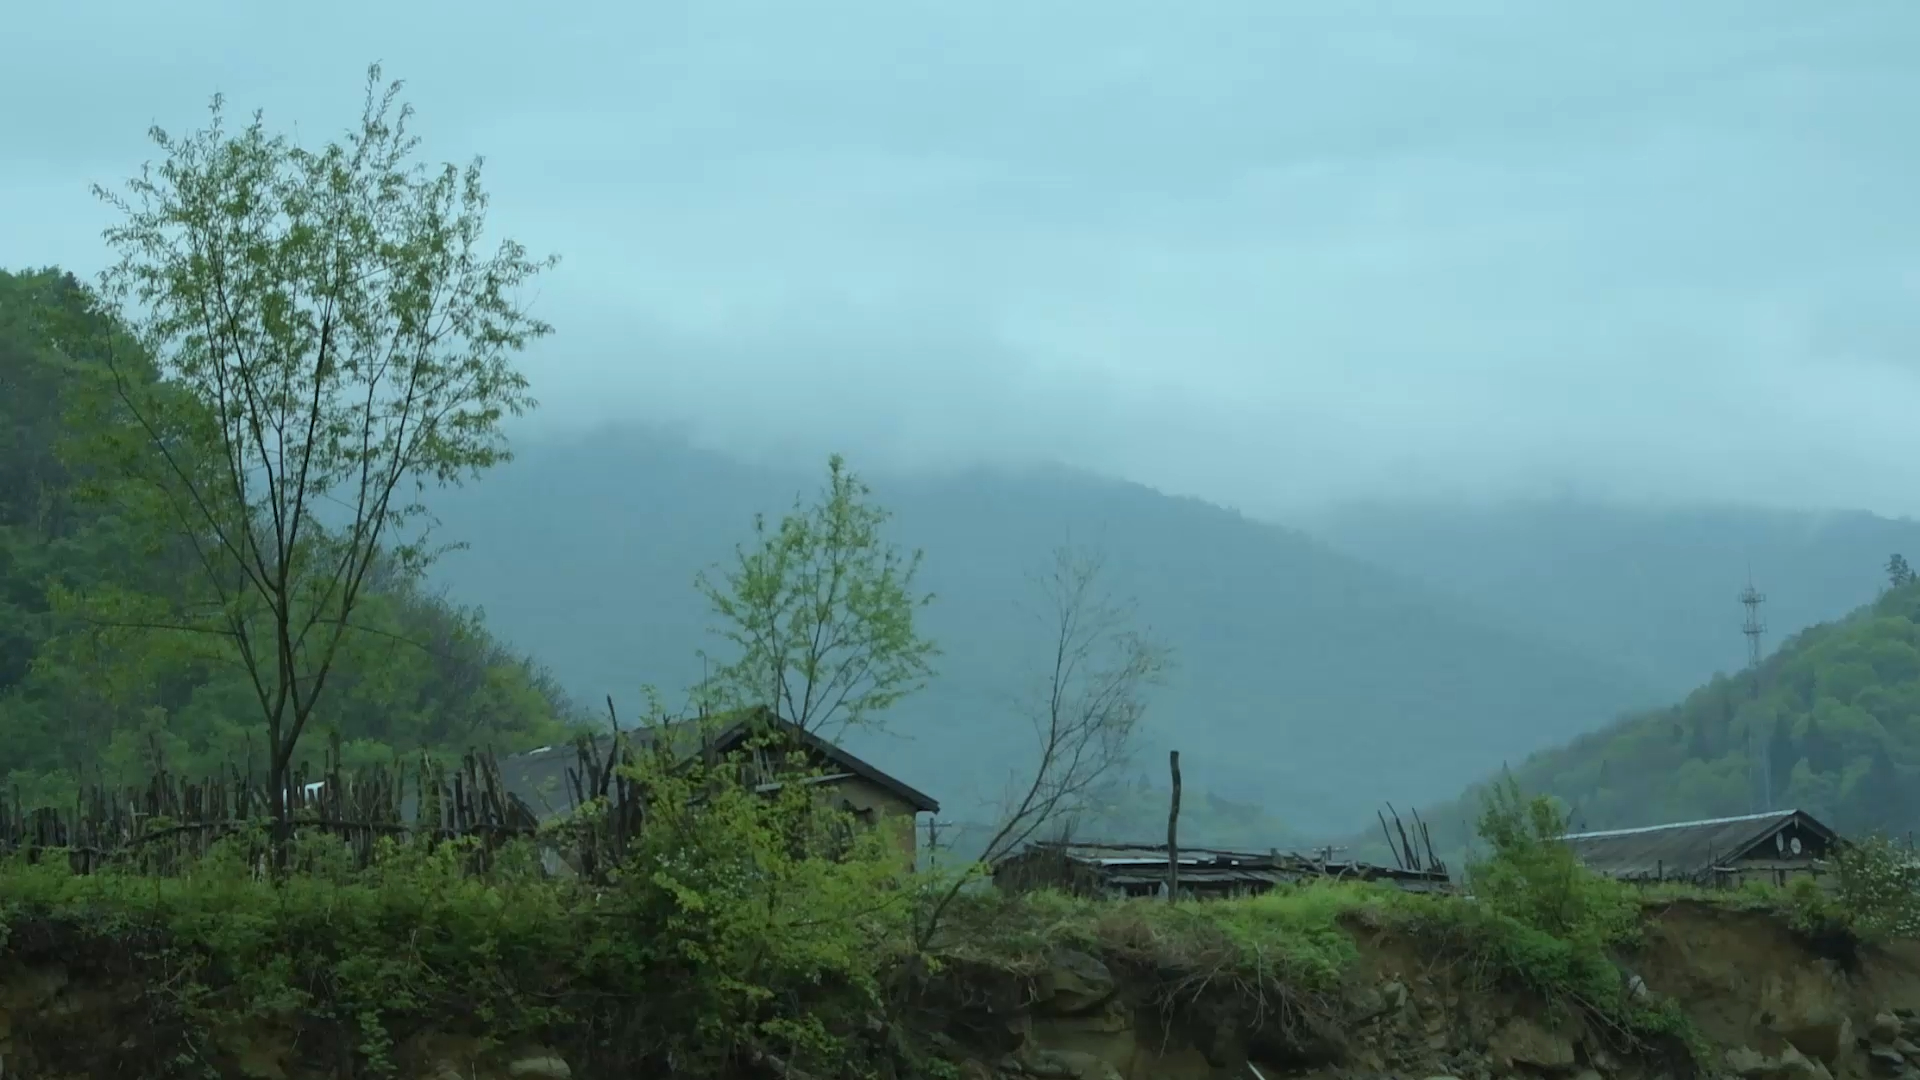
[(1271, 255)]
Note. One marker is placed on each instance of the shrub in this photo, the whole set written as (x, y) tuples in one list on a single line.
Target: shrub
[(739, 926), (1876, 892), (1533, 877)]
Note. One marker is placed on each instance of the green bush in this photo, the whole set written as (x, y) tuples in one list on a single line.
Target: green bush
[(1533, 877), (1875, 896), (739, 925)]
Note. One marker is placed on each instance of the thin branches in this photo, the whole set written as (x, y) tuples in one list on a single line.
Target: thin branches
[(324, 324), (1089, 704)]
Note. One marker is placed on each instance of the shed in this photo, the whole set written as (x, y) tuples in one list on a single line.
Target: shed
[(1123, 870), (541, 781), (1770, 847)]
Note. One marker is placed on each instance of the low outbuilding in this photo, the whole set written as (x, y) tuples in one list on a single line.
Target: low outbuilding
[(1124, 870), (1770, 848)]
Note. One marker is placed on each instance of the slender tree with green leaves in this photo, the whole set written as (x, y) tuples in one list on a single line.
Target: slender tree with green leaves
[(819, 609), (332, 340)]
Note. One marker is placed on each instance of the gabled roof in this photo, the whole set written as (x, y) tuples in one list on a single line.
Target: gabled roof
[(538, 778), (1685, 848)]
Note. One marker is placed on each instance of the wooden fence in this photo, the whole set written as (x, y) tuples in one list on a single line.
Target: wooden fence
[(169, 822)]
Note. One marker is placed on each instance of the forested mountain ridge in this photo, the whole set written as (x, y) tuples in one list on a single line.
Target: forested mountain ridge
[(1829, 723), (111, 700), (1307, 682), (1651, 587)]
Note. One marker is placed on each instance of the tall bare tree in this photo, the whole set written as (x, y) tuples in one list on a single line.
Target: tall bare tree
[(1089, 698), (331, 340)]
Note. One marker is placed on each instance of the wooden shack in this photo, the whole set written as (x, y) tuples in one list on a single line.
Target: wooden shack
[(540, 786), (1128, 870), (1770, 848)]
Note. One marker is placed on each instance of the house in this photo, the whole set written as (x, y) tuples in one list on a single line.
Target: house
[(538, 781), (1124, 870), (1770, 848)]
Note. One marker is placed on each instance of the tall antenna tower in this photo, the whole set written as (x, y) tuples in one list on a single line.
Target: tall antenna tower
[(1751, 599), (1762, 763)]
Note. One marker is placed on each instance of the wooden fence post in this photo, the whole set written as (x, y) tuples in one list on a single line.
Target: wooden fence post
[(1173, 831)]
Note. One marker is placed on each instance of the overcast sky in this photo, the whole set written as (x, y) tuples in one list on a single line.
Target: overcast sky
[(1262, 251)]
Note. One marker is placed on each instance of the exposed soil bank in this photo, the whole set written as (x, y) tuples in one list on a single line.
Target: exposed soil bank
[(1768, 1003)]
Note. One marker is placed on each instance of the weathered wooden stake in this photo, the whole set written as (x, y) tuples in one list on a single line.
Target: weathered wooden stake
[(1173, 830)]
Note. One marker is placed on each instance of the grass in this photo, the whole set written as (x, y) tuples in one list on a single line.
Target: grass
[(414, 943), (1293, 934)]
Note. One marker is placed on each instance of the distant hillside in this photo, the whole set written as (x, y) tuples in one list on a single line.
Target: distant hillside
[(1651, 588), (1832, 727), (1310, 683)]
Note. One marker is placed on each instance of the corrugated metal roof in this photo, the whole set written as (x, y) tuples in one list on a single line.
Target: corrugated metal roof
[(1144, 864), (1681, 848)]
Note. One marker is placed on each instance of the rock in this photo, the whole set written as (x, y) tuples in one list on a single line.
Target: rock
[(1886, 1061), (1365, 1004), (1074, 982), (1795, 1064), (1068, 1065), (1523, 1042), (1106, 1034), (1884, 1029), (1826, 1038), (1746, 1061), (540, 1067)]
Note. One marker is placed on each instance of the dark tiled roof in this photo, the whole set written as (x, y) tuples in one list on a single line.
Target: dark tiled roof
[(1683, 848), (539, 778)]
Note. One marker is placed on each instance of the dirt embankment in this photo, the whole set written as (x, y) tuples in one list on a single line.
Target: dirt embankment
[(1766, 1003)]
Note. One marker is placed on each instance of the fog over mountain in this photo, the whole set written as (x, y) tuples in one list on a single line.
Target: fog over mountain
[(1435, 374), (1265, 254)]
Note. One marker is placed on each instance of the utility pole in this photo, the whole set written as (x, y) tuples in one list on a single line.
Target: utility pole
[(1753, 628), (933, 842), (1173, 830)]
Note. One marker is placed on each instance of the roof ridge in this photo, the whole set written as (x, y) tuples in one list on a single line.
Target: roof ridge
[(1763, 816)]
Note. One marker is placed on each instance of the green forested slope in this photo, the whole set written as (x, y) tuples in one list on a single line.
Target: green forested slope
[(78, 696), (1831, 726)]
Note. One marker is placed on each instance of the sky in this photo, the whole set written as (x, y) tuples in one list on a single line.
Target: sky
[(1270, 253)]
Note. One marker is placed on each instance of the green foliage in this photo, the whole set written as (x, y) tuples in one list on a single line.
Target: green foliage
[(1834, 716), (1532, 876), (1875, 893), (1545, 921), (748, 899), (141, 596), (1292, 938), (740, 923), (81, 690), (330, 340), (820, 612)]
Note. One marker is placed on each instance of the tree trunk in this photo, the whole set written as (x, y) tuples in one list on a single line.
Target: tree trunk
[(1173, 830), (280, 832)]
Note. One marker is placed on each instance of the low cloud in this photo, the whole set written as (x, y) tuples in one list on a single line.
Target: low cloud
[(1267, 255)]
